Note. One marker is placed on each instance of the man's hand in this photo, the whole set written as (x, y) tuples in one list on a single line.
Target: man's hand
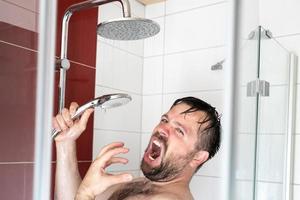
[(97, 180), (70, 130)]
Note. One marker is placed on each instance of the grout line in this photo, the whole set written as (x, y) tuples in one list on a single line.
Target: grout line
[(119, 131), (207, 176), (15, 163), (188, 10), (262, 133), (187, 51), (183, 92), (287, 35), (121, 49), (32, 11), (126, 91), (85, 161), (83, 65), (15, 45), (32, 50)]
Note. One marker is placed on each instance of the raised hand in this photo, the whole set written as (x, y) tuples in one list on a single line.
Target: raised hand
[(97, 180), (70, 129)]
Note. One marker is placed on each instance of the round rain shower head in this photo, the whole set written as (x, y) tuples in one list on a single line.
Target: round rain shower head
[(128, 29)]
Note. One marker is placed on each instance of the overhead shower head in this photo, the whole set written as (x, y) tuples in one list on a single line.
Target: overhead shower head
[(128, 28), (104, 102)]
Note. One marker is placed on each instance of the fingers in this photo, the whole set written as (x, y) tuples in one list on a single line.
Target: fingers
[(73, 108), (115, 160), (106, 157), (55, 124), (85, 117), (67, 117), (61, 122), (110, 146), (120, 178)]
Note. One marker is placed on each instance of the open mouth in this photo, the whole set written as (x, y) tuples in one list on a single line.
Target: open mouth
[(154, 152)]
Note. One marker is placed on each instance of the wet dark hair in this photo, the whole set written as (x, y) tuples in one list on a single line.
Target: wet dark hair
[(209, 138)]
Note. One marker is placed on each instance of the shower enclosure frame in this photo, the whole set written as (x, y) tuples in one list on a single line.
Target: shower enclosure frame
[(44, 99)]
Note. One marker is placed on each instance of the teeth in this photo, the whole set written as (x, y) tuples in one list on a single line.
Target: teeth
[(150, 157), (156, 142)]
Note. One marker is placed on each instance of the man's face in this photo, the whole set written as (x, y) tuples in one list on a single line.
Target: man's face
[(172, 144)]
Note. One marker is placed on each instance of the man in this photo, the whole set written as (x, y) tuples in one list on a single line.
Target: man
[(184, 139)]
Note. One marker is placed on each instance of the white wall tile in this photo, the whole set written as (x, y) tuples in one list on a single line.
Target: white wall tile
[(244, 154), (179, 5), (248, 61), (246, 112), (155, 45), (155, 10), (213, 166), (249, 17), (243, 190), (267, 190), (191, 30), (145, 140), (270, 158), (207, 188), (123, 118), (191, 71), (152, 75), (297, 160), (118, 69), (273, 111), (137, 9), (134, 173), (296, 192), (109, 11), (281, 16), (152, 111), (274, 65), (131, 141), (23, 19)]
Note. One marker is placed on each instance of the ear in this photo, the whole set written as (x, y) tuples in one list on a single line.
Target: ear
[(199, 158)]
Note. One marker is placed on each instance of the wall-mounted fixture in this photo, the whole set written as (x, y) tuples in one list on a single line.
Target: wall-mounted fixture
[(126, 28), (218, 65)]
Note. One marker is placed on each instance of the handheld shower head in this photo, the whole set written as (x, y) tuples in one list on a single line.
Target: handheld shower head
[(104, 102), (128, 28)]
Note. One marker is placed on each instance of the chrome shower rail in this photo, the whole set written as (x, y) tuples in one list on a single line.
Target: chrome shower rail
[(64, 37)]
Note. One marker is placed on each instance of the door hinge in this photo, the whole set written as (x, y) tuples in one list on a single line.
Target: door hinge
[(258, 86)]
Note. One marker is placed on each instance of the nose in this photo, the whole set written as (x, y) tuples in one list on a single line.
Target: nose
[(164, 130)]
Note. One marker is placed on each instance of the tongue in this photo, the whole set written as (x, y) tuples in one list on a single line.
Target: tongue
[(155, 151)]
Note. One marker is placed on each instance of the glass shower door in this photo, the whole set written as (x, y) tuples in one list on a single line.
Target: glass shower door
[(24, 69), (245, 154), (272, 120)]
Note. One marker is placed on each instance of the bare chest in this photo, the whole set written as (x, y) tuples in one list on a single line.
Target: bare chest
[(135, 191)]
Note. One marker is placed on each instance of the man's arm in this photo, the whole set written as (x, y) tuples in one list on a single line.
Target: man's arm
[(67, 177)]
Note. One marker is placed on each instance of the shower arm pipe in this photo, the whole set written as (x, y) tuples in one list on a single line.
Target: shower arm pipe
[(63, 61), (84, 6)]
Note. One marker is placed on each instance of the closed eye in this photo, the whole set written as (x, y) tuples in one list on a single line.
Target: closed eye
[(163, 120), (178, 130)]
